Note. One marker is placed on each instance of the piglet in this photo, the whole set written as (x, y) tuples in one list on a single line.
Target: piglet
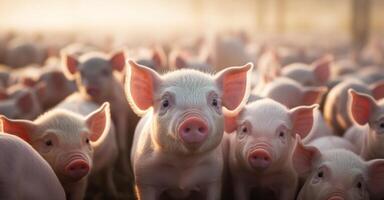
[(181, 131), (24, 174), (338, 174), (64, 140), (261, 148), (315, 75), (336, 103), (366, 111)]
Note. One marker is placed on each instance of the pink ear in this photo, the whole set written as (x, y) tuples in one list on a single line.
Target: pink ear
[(313, 95), (70, 64), (98, 122), (180, 62), (376, 176), (117, 61), (321, 68), (3, 94), (378, 90), (140, 85), (360, 106), (302, 119), (158, 57), (303, 157), (20, 128), (234, 82), (28, 81), (25, 101), (230, 124)]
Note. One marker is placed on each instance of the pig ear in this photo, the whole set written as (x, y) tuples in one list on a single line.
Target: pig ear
[(230, 123), (360, 106), (378, 90), (3, 94), (117, 61), (376, 176), (69, 64), (20, 128), (313, 95), (177, 60), (302, 119), (321, 68), (99, 122), (234, 83), (158, 57), (139, 87), (303, 157)]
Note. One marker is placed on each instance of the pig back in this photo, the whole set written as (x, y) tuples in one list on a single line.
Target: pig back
[(24, 174)]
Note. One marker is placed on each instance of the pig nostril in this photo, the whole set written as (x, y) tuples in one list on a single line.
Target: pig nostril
[(187, 130), (201, 129)]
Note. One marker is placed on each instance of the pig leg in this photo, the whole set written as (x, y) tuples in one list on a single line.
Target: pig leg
[(144, 192), (213, 191), (241, 192)]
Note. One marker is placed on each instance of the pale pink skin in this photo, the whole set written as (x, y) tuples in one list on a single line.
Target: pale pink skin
[(105, 152), (189, 158), (365, 110), (24, 174), (273, 139), (336, 103), (292, 94), (333, 142), (337, 174), (22, 104), (66, 145), (317, 74), (94, 75)]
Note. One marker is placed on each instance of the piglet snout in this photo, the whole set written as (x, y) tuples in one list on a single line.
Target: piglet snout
[(336, 198), (193, 130), (77, 169), (259, 159)]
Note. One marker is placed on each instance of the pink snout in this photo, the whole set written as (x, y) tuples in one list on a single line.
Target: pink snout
[(259, 159), (193, 130), (336, 198), (77, 169)]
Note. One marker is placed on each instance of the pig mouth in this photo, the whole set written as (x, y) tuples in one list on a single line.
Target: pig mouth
[(335, 196), (92, 91)]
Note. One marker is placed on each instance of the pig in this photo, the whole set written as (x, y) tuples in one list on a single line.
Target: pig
[(93, 73), (336, 103), (157, 60), (105, 153), (317, 74), (182, 128), (261, 143), (366, 111), (64, 140), (24, 174), (21, 53), (291, 94), (337, 174), (179, 59), (22, 104), (333, 142)]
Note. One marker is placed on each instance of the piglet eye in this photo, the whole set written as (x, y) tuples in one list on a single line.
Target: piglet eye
[(48, 143), (87, 141), (165, 103), (382, 125), (281, 134), (244, 130), (320, 174), (214, 102), (359, 185), (105, 72)]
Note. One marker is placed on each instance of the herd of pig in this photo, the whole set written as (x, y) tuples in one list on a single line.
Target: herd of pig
[(226, 118)]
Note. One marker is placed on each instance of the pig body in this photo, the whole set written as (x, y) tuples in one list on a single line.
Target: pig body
[(24, 173), (64, 139), (21, 53), (261, 148), (337, 173), (333, 142), (182, 129)]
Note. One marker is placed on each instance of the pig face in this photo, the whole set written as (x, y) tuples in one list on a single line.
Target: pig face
[(337, 174), (63, 139), (265, 133), (94, 72), (188, 106), (315, 75)]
